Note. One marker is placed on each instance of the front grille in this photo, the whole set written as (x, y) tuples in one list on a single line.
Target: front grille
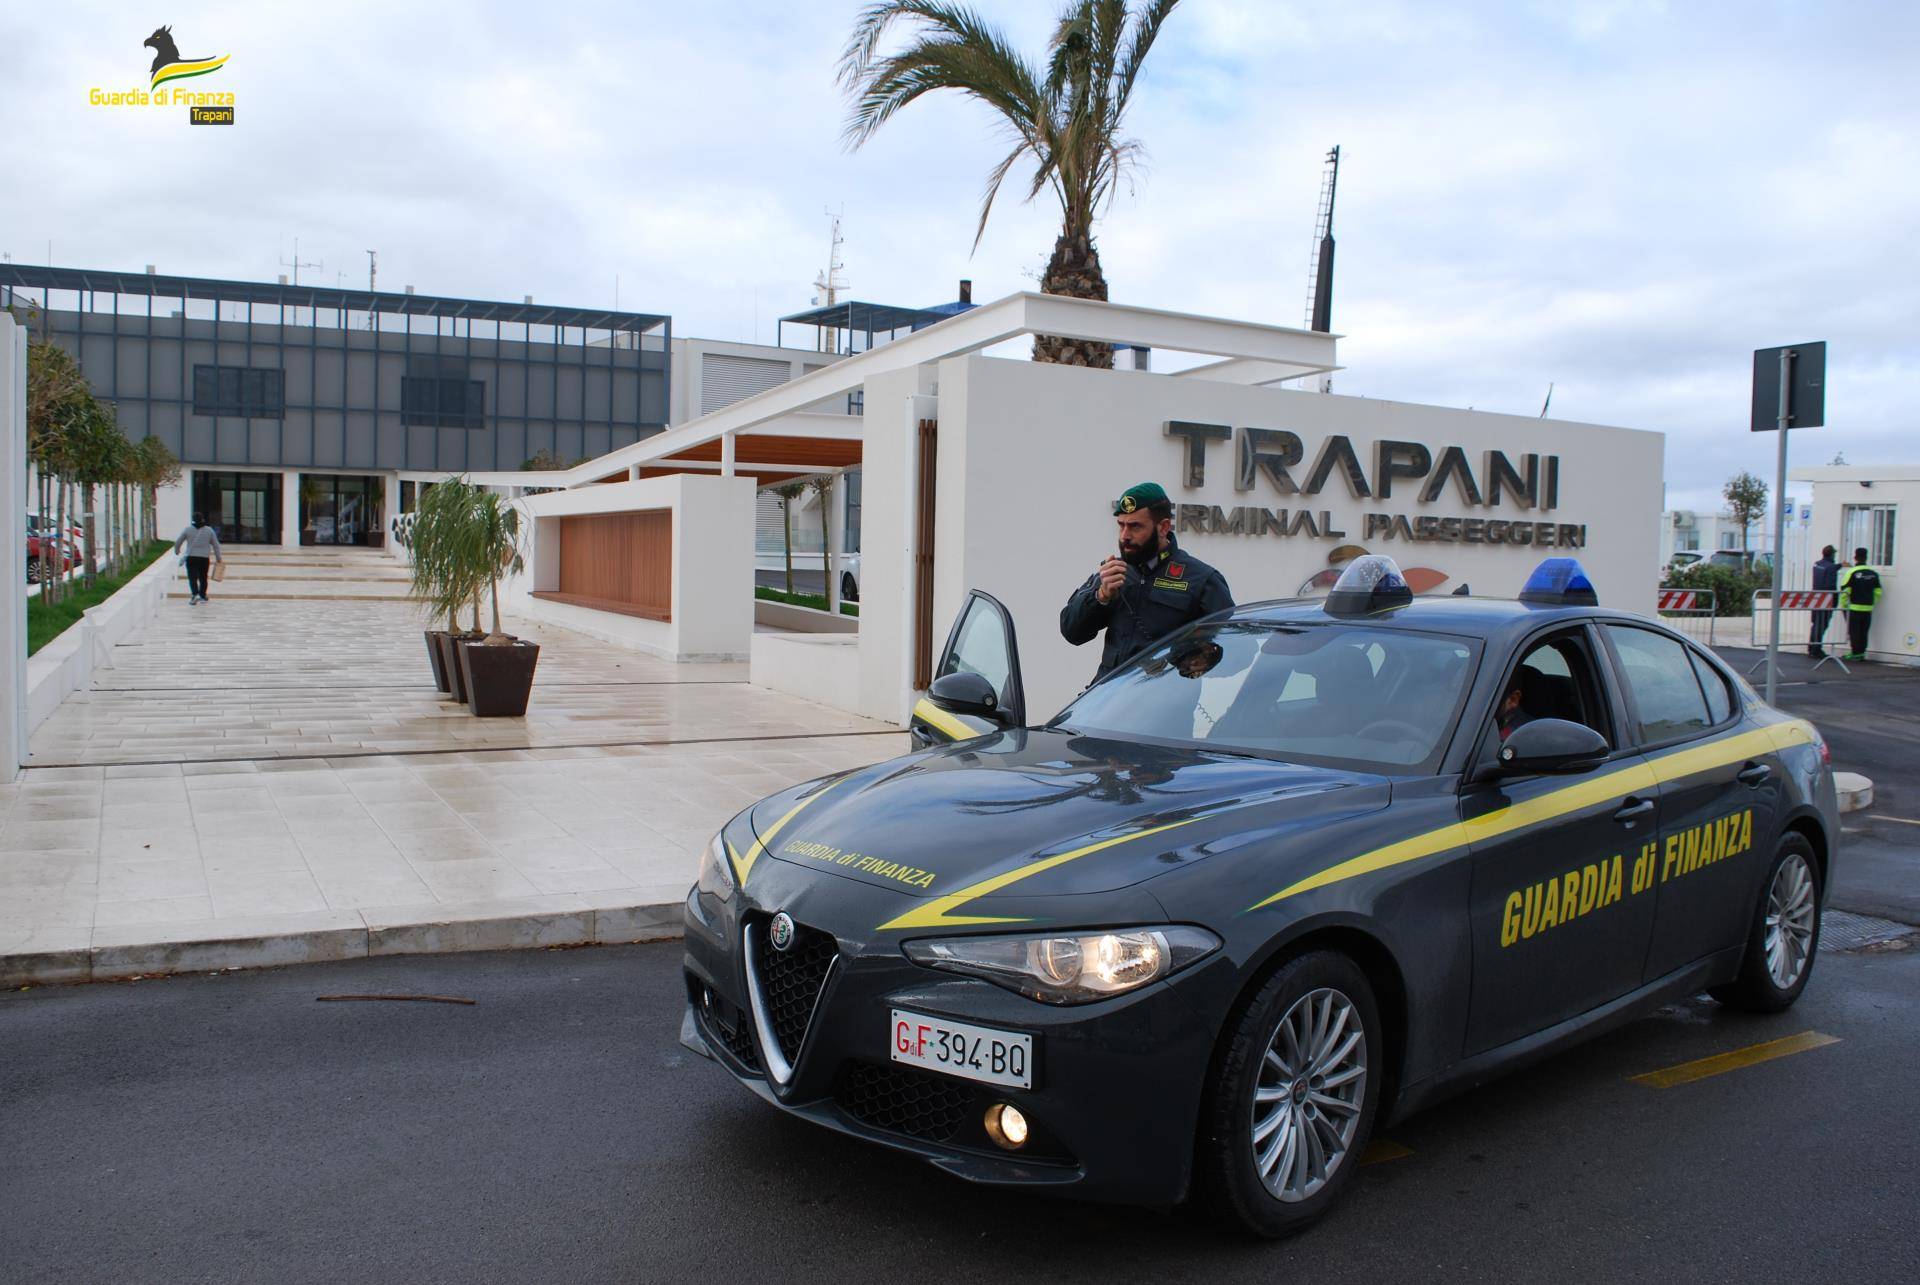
[(790, 981), (903, 1100)]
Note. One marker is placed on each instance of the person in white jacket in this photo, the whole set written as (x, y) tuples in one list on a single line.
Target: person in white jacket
[(202, 543)]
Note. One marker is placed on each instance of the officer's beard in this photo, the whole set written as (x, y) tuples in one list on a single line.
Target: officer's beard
[(1142, 557)]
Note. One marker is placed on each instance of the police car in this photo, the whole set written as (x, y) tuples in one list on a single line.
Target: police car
[(1299, 869)]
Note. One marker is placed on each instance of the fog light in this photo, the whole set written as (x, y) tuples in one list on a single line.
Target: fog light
[(1006, 1126)]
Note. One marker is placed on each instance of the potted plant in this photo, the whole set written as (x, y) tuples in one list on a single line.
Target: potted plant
[(441, 581), (498, 670)]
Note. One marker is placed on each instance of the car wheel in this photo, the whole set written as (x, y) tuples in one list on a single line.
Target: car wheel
[(33, 571), (1784, 935), (849, 587), (1293, 1097)]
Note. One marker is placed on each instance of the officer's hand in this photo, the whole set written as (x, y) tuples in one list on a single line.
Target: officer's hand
[(1113, 574)]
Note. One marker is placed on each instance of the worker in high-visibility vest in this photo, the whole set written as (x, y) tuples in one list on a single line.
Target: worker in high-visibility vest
[(1859, 594)]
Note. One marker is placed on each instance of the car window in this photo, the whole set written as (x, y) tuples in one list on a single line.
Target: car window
[(1553, 679), (1719, 699), (1666, 692), (980, 647), (1345, 695)]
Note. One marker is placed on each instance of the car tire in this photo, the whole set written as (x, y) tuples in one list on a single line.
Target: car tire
[(849, 587), (1256, 1165), (1784, 937), (33, 571)]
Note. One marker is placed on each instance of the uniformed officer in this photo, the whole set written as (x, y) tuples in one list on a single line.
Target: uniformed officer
[(1147, 590), (1859, 594)]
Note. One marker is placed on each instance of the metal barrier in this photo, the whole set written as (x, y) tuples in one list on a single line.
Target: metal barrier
[(1685, 610), (1797, 600)]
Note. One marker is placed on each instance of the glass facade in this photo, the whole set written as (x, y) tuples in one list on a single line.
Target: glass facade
[(243, 507), (341, 509)]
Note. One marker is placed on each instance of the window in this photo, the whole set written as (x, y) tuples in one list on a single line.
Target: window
[(1374, 699), (1666, 691), (436, 393), (980, 647), (852, 538), (249, 391), (1869, 527), (1719, 699)]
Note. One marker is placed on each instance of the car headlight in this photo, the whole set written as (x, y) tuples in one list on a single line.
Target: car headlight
[(716, 869), (1075, 969)]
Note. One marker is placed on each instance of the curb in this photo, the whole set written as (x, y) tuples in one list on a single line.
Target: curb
[(1855, 791), (586, 925)]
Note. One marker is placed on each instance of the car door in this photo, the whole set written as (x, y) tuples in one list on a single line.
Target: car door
[(1557, 927), (1718, 794), (981, 642)]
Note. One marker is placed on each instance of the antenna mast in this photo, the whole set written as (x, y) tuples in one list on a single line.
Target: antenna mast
[(1320, 262), (296, 264), (828, 286)]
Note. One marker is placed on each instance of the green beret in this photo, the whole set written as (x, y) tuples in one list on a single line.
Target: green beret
[(1143, 496)]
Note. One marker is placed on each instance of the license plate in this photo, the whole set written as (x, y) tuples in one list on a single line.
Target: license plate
[(956, 1048)]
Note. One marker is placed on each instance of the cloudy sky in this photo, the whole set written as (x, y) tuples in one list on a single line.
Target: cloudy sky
[(1620, 197)]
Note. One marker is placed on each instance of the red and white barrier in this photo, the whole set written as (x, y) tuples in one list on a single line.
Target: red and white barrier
[(1809, 599)]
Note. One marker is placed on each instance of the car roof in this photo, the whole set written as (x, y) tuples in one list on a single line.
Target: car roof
[(1494, 619)]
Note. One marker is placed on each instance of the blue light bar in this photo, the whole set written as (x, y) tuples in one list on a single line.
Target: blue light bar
[(1560, 582), (1369, 584)]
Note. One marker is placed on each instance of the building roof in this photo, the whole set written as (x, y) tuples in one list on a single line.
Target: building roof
[(26, 277), (875, 318)]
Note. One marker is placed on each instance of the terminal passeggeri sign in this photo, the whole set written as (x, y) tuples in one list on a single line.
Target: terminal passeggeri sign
[(1806, 377)]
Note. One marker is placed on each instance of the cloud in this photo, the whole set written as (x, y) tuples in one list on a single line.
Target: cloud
[(1619, 197)]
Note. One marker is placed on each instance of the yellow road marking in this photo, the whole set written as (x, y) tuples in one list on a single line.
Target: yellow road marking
[(1381, 1150), (1720, 1063)]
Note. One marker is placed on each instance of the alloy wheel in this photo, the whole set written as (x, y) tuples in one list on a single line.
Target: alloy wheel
[(1790, 911), (1308, 1094)]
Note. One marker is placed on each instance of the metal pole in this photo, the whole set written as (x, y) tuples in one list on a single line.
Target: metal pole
[(1779, 523)]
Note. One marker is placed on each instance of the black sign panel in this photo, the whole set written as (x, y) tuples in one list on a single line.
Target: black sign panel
[(1806, 387)]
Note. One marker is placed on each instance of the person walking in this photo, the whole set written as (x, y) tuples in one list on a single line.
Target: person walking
[(1826, 575), (202, 543), (1859, 594)]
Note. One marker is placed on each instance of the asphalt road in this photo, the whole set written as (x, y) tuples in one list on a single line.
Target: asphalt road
[(1871, 719), (232, 1128)]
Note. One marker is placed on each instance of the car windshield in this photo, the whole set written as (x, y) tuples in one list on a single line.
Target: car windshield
[(1343, 695)]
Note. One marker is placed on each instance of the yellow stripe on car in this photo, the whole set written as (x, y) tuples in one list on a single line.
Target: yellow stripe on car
[(741, 865), (933, 716), (934, 914), (1672, 766)]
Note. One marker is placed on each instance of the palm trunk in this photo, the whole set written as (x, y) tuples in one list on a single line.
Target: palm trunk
[(1074, 271), (498, 637)]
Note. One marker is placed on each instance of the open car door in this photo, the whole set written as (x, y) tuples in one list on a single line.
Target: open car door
[(976, 686)]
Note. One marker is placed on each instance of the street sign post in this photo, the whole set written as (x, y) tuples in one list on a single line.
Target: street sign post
[(1789, 391)]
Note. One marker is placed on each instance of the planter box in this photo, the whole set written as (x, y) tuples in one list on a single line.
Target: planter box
[(498, 679), (438, 659), (450, 659)]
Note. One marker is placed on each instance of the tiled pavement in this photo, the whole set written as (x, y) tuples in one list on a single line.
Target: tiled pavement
[(267, 782)]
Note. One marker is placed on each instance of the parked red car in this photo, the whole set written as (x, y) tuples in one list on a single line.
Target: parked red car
[(43, 550)]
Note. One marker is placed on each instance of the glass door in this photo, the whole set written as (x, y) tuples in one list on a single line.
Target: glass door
[(243, 507), (340, 508)]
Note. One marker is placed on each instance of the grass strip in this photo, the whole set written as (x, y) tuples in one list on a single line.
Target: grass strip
[(47, 621)]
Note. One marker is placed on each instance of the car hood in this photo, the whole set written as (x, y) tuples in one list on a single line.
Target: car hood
[(954, 817)]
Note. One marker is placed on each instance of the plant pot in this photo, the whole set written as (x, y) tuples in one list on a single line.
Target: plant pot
[(307, 536), (437, 659), (450, 658), (376, 540), (498, 679)]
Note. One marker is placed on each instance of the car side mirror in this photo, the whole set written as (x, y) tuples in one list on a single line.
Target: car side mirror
[(1552, 745), (965, 693)]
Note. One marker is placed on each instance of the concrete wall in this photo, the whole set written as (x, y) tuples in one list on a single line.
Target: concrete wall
[(895, 403), (712, 565), (67, 664), (819, 667), (1030, 457)]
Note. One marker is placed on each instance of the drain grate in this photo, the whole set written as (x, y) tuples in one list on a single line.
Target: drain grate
[(1843, 930)]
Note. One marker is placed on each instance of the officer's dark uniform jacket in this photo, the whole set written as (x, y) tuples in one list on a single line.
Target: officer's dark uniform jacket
[(1174, 590)]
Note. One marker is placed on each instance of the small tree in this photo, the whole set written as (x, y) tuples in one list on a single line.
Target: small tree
[(1746, 500), (788, 493), (489, 543), (442, 582), (155, 466), (822, 488)]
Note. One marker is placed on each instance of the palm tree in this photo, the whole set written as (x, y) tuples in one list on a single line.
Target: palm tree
[(1067, 119)]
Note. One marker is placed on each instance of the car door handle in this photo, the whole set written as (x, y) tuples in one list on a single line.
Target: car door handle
[(1753, 774), (1633, 811)]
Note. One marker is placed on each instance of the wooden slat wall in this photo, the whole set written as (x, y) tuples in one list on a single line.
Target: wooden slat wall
[(623, 560)]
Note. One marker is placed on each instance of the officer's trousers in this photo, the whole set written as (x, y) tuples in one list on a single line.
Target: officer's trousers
[(1858, 622)]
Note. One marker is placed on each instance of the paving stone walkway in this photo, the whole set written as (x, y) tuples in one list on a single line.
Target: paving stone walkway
[(268, 780)]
